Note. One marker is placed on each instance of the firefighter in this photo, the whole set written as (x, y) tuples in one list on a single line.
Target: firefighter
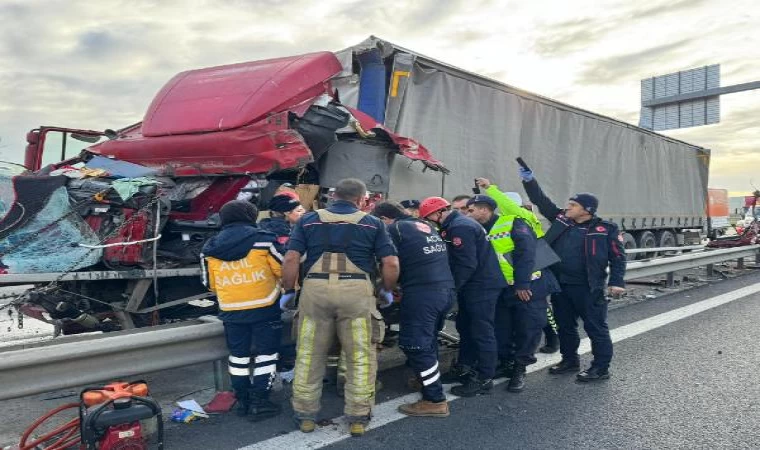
[(284, 212), (427, 287), (478, 282), (521, 309), (512, 203), (587, 246), (243, 267), (341, 245)]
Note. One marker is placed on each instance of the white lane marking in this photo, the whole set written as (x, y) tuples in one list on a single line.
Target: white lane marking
[(387, 412)]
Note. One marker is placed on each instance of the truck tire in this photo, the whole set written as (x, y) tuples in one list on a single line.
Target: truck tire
[(629, 243), (666, 238), (646, 239)]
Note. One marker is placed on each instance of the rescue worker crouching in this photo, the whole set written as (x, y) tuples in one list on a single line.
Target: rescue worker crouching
[(479, 283), (521, 308), (587, 246), (411, 207), (342, 245), (284, 211), (242, 266), (427, 289)]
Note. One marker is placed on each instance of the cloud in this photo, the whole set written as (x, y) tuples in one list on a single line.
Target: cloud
[(665, 7), (99, 64), (569, 36), (611, 69)]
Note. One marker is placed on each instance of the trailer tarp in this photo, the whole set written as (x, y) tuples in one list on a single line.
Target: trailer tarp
[(479, 126)]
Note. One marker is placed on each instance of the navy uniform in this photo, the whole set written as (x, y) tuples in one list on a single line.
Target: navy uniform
[(519, 324), (586, 251), (342, 246), (427, 287), (281, 227), (479, 283), (243, 268)]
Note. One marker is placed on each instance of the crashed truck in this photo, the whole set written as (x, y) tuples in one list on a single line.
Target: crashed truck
[(214, 134), (110, 236), (653, 186)]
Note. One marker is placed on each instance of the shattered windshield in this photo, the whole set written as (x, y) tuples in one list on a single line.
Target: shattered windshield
[(34, 234)]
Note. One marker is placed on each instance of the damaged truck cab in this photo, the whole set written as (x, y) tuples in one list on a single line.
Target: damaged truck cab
[(117, 229)]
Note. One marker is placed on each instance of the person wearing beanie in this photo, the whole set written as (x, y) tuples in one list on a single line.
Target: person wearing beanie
[(284, 212), (411, 207), (587, 246), (242, 266)]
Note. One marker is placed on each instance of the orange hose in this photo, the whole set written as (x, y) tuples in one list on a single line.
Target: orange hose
[(70, 428)]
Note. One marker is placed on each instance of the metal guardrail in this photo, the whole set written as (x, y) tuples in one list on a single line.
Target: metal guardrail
[(98, 275), (78, 360), (81, 360), (664, 249), (659, 266)]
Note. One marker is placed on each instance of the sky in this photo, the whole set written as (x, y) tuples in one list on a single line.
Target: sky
[(98, 64)]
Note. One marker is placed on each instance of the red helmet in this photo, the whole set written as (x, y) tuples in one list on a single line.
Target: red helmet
[(433, 204), (290, 194)]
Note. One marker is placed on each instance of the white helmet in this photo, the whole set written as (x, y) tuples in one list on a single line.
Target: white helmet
[(515, 197)]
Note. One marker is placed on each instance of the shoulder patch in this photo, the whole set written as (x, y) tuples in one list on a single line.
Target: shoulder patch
[(425, 228), (457, 242), (601, 229), (283, 239)]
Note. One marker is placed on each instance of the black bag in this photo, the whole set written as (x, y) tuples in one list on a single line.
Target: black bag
[(545, 256)]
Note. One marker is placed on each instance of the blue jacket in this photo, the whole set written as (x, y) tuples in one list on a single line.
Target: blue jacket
[(603, 246), (422, 254), (232, 243), (473, 262), (281, 228)]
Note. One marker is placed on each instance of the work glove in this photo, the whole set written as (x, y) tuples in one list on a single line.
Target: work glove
[(385, 298), (287, 300), (525, 174)]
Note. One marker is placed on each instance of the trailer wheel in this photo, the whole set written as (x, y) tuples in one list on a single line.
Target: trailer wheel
[(629, 243), (666, 238), (646, 239)]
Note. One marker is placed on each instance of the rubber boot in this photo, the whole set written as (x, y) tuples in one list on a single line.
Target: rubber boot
[(306, 425), (356, 428)]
